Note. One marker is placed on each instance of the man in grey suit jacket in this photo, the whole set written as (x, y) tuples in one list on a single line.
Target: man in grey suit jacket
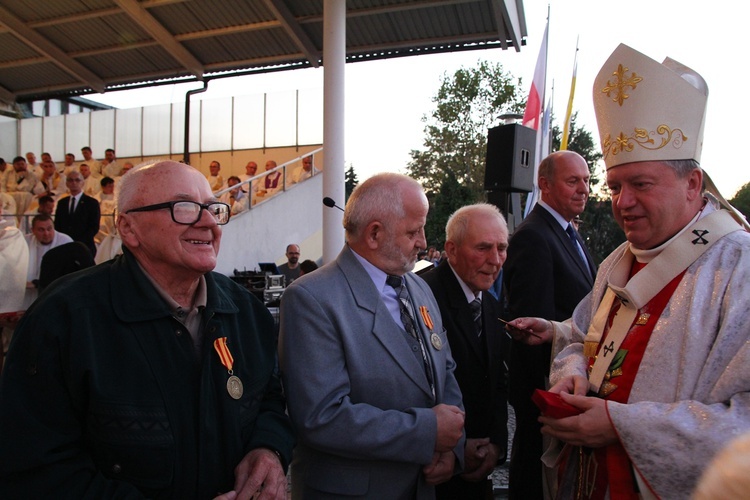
[(378, 411)]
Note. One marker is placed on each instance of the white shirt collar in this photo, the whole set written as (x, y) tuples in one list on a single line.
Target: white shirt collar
[(467, 291), (559, 218)]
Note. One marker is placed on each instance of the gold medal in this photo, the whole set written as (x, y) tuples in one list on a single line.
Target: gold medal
[(436, 342), (234, 387)]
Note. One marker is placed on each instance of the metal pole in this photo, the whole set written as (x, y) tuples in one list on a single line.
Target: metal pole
[(188, 95), (334, 83)]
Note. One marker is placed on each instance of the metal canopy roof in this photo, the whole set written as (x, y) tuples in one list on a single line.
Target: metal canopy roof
[(69, 47)]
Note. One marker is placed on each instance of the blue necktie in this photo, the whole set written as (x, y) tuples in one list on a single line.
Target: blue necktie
[(572, 234)]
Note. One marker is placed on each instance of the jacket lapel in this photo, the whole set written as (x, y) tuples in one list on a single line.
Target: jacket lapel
[(384, 329)]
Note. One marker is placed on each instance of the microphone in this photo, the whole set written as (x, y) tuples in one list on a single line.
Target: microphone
[(330, 203)]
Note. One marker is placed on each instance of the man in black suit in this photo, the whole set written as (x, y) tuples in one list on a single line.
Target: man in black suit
[(78, 215), (548, 271), (476, 244)]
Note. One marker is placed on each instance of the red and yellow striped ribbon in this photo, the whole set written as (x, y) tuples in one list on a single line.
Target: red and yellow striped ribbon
[(227, 360), (426, 317)]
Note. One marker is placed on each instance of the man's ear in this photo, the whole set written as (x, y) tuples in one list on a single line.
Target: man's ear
[(695, 184), (127, 230), (450, 249), (374, 234)]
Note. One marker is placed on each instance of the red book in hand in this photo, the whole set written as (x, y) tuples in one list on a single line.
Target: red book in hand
[(552, 405)]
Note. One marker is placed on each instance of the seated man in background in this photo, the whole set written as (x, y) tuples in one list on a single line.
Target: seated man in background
[(91, 184), (215, 180), (106, 199), (272, 183), (305, 171), (236, 198), (42, 239)]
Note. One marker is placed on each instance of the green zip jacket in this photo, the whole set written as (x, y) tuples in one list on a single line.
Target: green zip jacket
[(103, 396)]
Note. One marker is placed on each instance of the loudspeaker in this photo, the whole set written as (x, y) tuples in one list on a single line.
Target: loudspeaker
[(510, 159)]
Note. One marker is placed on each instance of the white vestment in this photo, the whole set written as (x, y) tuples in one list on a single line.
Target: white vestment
[(14, 261), (691, 395), (36, 252)]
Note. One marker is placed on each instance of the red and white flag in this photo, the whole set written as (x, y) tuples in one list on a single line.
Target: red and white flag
[(533, 114)]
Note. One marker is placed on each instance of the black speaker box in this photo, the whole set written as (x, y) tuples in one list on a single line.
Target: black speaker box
[(510, 159)]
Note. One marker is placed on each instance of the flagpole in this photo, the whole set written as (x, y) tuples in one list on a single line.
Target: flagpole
[(535, 108), (569, 112)]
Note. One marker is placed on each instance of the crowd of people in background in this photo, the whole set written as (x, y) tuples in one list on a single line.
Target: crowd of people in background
[(251, 190)]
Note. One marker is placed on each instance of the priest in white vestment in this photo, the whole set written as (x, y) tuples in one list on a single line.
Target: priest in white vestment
[(657, 357), (42, 239)]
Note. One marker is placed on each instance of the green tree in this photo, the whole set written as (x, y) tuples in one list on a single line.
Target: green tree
[(350, 181), (741, 200), (466, 105), (450, 197), (451, 165)]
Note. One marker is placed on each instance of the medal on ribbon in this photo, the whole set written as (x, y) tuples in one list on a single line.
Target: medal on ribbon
[(427, 319), (234, 384)]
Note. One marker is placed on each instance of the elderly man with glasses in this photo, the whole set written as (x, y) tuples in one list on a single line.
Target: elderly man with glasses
[(148, 375)]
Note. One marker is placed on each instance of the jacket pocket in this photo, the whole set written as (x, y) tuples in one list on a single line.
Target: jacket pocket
[(132, 443)]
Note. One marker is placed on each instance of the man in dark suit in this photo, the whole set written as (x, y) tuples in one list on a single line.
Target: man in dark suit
[(367, 368), (78, 215), (548, 271), (476, 244)]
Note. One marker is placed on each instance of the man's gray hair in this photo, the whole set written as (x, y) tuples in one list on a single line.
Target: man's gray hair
[(682, 167), (378, 198), (458, 223)]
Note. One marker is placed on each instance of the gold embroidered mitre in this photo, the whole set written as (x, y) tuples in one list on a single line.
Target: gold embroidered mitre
[(648, 111)]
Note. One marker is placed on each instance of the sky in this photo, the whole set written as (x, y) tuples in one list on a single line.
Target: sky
[(386, 100)]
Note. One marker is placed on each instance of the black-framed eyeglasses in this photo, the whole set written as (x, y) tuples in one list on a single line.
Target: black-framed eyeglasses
[(189, 212)]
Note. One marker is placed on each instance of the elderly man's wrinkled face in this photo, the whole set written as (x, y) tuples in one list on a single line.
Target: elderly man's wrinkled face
[(214, 168), (482, 252), (44, 231), (251, 168), (31, 158), (161, 244), (405, 237)]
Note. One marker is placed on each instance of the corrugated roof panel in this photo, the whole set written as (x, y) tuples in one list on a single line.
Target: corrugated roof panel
[(14, 49), (116, 49), (241, 46), (38, 10), (95, 33), (39, 75), (138, 62), (192, 17)]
